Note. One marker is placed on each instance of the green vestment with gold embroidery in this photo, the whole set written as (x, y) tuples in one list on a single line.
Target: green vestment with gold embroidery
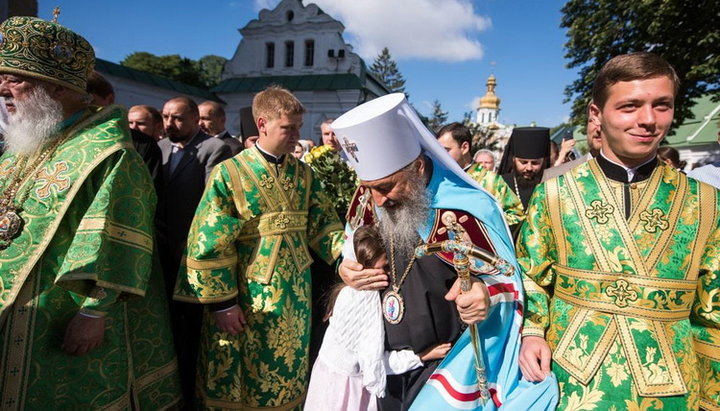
[(86, 245), (629, 306), (495, 185), (249, 242)]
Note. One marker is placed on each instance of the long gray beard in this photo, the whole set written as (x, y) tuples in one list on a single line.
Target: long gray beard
[(401, 223), (34, 123)]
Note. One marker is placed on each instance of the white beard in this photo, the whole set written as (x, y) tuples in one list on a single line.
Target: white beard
[(402, 222), (34, 123)]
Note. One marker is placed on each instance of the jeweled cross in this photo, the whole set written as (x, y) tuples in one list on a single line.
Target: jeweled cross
[(56, 14), (350, 148)]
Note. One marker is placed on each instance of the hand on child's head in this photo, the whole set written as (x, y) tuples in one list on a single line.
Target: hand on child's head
[(381, 263)]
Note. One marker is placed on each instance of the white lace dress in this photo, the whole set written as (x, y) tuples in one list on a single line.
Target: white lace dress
[(350, 370)]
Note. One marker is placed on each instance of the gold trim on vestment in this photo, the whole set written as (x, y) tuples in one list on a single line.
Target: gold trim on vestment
[(674, 383), (586, 371), (552, 190), (642, 306), (120, 233), (206, 300), (708, 213), (230, 405), (676, 205), (708, 350), (155, 376), (100, 283), (275, 223), (212, 263), (20, 329)]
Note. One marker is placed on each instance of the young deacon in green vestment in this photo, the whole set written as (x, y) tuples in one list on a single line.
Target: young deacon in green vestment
[(248, 261), (83, 316), (621, 262)]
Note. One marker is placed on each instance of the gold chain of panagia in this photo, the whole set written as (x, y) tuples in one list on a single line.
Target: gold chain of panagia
[(393, 270)]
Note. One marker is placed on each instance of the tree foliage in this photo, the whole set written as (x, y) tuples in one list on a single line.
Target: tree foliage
[(438, 117), (385, 68), (482, 137), (685, 32), (202, 73)]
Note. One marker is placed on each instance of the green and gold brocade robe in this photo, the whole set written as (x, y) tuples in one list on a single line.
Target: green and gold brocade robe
[(495, 185), (87, 245), (249, 241), (630, 307)]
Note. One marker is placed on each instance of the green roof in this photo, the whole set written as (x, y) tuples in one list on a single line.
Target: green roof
[(702, 128), (311, 82), (117, 70)]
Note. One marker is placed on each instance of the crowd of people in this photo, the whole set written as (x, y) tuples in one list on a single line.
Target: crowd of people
[(150, 260)]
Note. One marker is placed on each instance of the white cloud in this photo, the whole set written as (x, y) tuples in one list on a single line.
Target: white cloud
[(423, 29)]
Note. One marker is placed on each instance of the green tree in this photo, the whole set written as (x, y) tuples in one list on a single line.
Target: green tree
[(482, 137), (438, 117), (211, 67), (685, 32), (202, 73), (385, 68)]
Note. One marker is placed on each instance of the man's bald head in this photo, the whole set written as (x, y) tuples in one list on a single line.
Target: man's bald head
[(212, 117), (180, 119)]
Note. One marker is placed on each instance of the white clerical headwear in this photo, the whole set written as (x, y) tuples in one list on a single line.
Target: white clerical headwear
[(377, 137), (384, 135)]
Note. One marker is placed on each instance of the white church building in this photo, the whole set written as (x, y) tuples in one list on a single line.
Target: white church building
[(302, 49)]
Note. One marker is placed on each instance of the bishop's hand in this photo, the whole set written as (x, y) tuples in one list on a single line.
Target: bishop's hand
[(473, 305), (354, 275)]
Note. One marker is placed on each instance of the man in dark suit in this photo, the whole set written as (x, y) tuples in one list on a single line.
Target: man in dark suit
[(188, 157), (212, 122)]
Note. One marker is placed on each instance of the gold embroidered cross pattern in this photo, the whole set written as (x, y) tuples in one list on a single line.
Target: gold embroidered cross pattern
[(654, 220), (267, 182), (599, 211), (282, 221), (622, 293), (53, 179), (286, 183)]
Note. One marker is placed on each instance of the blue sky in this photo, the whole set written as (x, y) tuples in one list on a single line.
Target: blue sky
[(451, 62)]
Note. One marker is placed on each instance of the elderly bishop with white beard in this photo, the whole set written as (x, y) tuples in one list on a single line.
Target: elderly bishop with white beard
[(417, 195), (83, 319)]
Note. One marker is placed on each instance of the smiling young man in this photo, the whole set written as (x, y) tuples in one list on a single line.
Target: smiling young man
[(248, 262), (621, 261)]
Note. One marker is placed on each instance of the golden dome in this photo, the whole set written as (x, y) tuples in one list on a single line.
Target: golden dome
[(490, 100)]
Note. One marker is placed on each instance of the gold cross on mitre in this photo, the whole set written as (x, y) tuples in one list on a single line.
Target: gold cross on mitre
[(350, 148), (56, 14)]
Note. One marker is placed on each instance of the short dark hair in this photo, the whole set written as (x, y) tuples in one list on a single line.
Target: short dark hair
[(99, 85), (192, 105), (628, 67), (154, 113), (458, 131)]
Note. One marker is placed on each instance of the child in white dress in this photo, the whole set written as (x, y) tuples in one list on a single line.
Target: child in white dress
[(350, 370)]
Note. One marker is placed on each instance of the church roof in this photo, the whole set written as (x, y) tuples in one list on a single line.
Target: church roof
[(702, 128), (490, 99), (309, 82), (117, 70)]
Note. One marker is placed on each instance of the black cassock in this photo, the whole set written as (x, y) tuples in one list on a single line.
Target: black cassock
[(429, 320)]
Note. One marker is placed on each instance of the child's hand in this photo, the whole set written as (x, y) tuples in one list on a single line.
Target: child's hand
[(231, 321), (435, 353)]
